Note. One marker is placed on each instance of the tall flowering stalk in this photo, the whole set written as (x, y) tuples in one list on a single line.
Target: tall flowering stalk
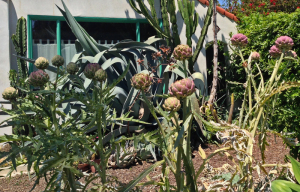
[(257, 107)]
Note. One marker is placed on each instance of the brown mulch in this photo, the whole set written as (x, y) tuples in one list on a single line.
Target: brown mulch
[(275, 153)]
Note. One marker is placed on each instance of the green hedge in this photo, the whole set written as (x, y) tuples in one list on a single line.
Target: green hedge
[(262, 32)]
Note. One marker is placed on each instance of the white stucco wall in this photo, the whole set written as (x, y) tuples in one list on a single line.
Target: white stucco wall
[(4, 57)]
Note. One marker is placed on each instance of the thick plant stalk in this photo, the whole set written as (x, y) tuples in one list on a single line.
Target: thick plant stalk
[(20, 43), (231, 109), (171, 10), (165, 17), (215, 74), (207, 22)]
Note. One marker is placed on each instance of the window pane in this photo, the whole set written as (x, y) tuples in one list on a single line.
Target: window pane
[(111, 32), (44, 41), (103, 33), (67, 42), (146, 31)]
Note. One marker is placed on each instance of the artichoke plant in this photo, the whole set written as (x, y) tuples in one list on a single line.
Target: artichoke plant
[(141, 81), (255, 56), (10, 94), (41, 63), (275, 52), (90, 70), (284, 43), (182, 52), (72, 68), (58, 61), (239, 40), (182, 88), (172, 104), (100, 75), (38, 78)]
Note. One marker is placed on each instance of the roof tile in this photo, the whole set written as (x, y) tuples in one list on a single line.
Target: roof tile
[(221, 11)]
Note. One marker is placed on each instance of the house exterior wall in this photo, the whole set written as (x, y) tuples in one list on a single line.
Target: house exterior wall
[(11, 10), (4, 57)]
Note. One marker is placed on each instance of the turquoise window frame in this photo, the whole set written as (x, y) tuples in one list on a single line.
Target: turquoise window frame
[(58, 20)]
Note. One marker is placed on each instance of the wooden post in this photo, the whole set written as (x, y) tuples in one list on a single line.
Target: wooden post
[(215, 73)]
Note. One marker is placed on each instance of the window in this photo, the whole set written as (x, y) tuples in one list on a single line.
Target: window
[(51, 35)]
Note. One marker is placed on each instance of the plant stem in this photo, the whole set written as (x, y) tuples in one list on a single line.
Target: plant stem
[(53, 106), (100, 135), (178, 160)]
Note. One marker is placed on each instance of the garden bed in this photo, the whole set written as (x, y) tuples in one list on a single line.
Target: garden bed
[(274, 153)]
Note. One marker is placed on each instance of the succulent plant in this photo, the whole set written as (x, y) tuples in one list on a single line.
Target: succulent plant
[(291, 54), (141, 81), (10, 94), (90, 70), (182, 52), (38, 78), (255, 56), (58, 61), (72, 68), (100, 75), (239, 40), (284, 43), (275, 52), (41, 63), (182, 88), (172, 104)]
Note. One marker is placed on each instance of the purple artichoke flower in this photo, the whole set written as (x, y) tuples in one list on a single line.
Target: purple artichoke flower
[(172, 104), (38, 78), (275, 52), (182, 52), (239, 40), (182, 88), (284, 43), (141, 81), (255, 56), (90, 70)]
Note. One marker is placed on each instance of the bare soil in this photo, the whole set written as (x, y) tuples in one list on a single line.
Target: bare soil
[(275, 153)]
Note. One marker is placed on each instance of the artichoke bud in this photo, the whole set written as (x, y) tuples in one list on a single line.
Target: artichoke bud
[(172, 104), (38, 78), (72, 68), (58, 61), (41, 63), (182, 52), (90, 70), (10, 94), (182, 88), (100, 75), (141, 81)]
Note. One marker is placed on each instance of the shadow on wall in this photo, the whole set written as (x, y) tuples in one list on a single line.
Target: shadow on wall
[(13, 19)]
